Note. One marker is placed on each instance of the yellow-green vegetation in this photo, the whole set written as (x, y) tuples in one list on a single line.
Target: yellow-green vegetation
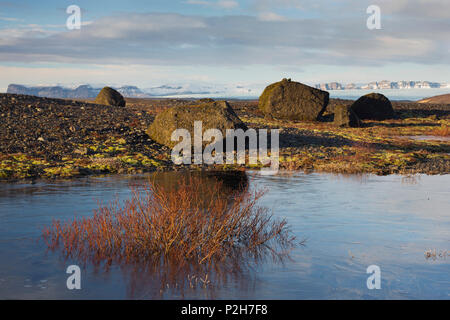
[(81, 139), (381, 147), (110, 156)]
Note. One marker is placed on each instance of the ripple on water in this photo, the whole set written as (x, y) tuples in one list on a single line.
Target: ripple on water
[(350, 222)]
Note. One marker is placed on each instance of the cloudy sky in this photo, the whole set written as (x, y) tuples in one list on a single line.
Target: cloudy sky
[(153, 42)]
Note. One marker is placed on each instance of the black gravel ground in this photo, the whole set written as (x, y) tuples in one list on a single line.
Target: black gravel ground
[(54, 128), (43, 137)]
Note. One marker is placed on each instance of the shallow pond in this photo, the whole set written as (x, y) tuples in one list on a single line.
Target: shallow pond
[(427, 138), (349, 223)]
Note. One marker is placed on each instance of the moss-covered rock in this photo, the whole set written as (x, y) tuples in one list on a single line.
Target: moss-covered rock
[(293, 101), (345, 117), (373, 106), (214, 115), (110, 97)]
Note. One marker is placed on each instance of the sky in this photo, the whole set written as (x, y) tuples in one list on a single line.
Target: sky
[(156, 42)]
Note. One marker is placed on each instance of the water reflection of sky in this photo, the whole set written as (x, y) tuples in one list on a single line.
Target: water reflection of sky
[(353, 222), (350, 222)]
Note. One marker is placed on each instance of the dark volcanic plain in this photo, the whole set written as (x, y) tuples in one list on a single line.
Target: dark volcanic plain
[(56, 138)]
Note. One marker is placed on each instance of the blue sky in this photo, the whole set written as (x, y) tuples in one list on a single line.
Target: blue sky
[(49, 12), (251, 42)]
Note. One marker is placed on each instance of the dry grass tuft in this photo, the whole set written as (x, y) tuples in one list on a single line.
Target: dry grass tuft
[(191, 231), (361, 152), (442, 131)]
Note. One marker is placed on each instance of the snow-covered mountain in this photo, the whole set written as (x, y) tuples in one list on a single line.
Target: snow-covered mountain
[(132, 92), (166, 90), (197, 90), (201, 90), (385, 84), (81, 92)]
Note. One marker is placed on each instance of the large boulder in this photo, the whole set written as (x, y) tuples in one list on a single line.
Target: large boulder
[(373, 106), (345, 117), (293, 101), (110, 97), (214, 115)]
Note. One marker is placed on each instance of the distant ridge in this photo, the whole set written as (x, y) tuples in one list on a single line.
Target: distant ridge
[(87, 91), (181, 90), (440, 99), (385, 84), (81, 92)]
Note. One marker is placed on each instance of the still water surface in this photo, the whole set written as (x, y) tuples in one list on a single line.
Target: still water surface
[(349, 223)]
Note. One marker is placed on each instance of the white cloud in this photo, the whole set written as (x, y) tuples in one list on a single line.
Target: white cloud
[(116, 27), (437, 9), (224, 4), (390, 46), (10, 19), (267, 38), (228, 4), (269, 5), (271, 16)]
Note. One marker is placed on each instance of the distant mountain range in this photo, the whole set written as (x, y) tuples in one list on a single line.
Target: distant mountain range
[(385, 84), (178, 90), (81, 92), (87, 91)]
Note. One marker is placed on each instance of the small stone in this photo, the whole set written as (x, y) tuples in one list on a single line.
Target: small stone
[(82, 151), (345, 117)]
